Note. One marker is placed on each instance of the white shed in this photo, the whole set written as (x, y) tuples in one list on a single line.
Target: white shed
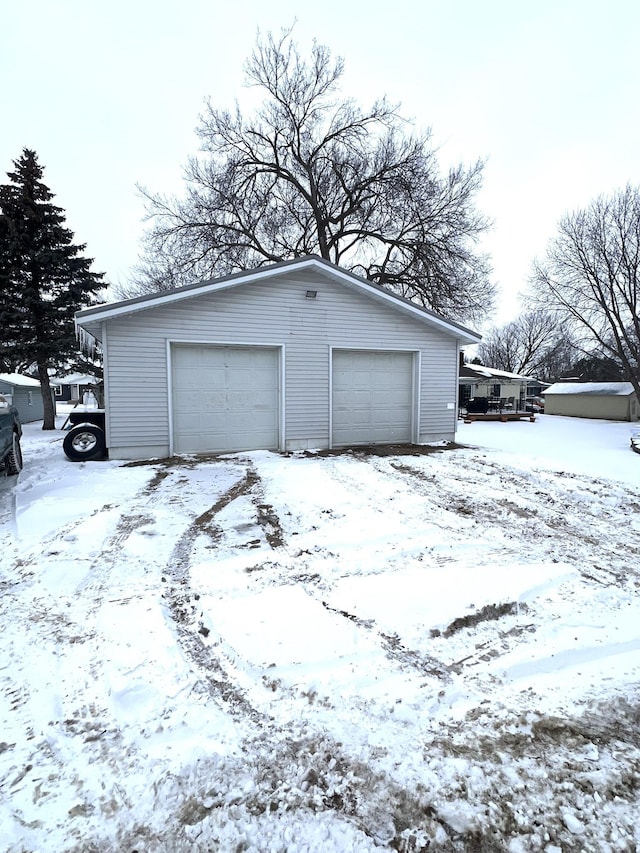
[(612, 401), (298, 355)]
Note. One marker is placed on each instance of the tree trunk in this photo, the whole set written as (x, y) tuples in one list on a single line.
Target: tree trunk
[(49, 421)]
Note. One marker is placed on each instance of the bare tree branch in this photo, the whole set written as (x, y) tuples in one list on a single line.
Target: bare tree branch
[(591, 277), (533, 344), (312, 173)]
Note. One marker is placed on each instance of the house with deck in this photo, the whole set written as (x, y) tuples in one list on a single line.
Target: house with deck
[(476, 380)]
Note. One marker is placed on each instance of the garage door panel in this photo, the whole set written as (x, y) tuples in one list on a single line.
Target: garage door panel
[(238, 379), (245, 398), (372, 399), (189, 424), (261, 421), (225, 398), (349, 400), (391, 399), (213, 401), (353, 417), (341, 419), (244, 357)]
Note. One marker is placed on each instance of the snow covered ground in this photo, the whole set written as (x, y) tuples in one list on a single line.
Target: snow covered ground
[(353, 652)]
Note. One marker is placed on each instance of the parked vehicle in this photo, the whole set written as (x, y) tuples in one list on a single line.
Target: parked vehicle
[(534, 404), (10, 435)]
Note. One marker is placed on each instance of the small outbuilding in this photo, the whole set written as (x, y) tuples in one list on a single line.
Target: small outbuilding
[(73, 387), (24, 393), (298, 355), (612, 401)]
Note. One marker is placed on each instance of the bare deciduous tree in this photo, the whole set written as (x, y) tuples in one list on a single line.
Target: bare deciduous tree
[(533, 344), (591, 278), (312, 173)]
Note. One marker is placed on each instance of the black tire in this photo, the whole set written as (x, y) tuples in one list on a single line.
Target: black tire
[(13, 460), (84, 442)]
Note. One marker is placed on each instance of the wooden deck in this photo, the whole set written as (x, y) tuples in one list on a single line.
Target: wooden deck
[(504, 417)]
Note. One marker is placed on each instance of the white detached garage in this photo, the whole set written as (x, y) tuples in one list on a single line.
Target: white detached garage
[(614, 401), (298, 355)]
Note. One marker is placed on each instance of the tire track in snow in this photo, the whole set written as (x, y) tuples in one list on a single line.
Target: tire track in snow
[(182, 600), (61, 622), (559, 529), (280, 759), (415, 480), (391, 644)]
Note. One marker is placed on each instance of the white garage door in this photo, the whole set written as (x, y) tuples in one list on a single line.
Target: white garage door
[(224, 398), (372, 397)]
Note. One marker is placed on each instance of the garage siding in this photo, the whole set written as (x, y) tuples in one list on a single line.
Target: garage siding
[(271, 314)]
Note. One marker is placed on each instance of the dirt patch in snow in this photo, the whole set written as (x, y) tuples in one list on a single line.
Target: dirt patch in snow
[(383, 450), (488, 613)]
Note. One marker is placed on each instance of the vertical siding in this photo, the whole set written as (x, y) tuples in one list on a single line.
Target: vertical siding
[(275, 313)]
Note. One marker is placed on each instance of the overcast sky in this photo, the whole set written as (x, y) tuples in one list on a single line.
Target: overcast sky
[(108, 95)]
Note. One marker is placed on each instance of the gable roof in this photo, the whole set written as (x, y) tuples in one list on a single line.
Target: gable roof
[(74, 379), (18, 380), (91, 319), (479, 371), (616, 389)]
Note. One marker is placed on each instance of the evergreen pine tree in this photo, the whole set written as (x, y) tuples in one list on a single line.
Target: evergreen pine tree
[(44, 279)]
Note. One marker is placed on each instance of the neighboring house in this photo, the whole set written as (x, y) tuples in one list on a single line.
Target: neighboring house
[(536, 388), (612, 401), (24, 393), (71, 388), (298, 355), (476, 380)]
